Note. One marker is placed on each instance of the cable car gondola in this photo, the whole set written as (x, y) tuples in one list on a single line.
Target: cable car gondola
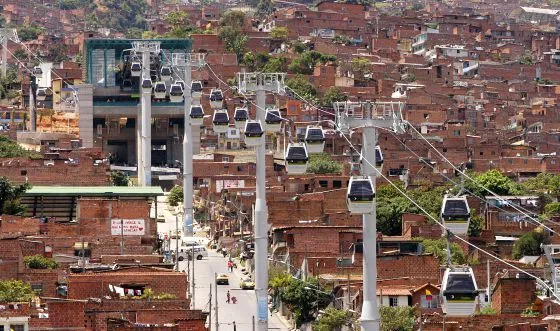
[(146, 85), (459, 292), (273, 120), (160, 90), (315, 139), (216, 99), (175, 93), (378, 159), (135, 69), (220, 121), (240, 116), (360, 195), (296, 158), (197, 115), (196, 89), (456, 214), (165, 73), (254, 133), (41, 94), (37, 71), (180, 82)]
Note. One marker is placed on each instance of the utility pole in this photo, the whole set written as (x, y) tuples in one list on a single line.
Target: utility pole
[(265, 82), (210, 308), (187, 61), (193, 288), (122, 236), (32, 103), (216, 301), (177, 243), (369, 116), (253, 322)]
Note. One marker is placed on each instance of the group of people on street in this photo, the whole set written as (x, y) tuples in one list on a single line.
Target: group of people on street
[(230, 298)]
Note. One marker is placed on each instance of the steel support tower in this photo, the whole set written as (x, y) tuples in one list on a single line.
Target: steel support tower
[(369, 116), (260, 83), (5, 35)]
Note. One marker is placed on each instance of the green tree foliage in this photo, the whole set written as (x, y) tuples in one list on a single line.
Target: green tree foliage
[(552, 209), (341, 39), (119, 178), (494, 181), (475, 225), (333, 94), (180, 25), (58, 53), (323, 164), (9, 85), (134, 33), (178, 17), (302, 87), (333, 320), (175, 196), (279, 33), (119, 15), (276, 64), (546, 183), (361, 66), (397, 318), (301, 300), (9, 197), (71, 4), (9, 148), (264, 8), (233, 18), (439, 249), (306, 62), (529, 244), (12, 290), (255, 61), (234, 39), (298, 47), (39, 262), (28, 32)]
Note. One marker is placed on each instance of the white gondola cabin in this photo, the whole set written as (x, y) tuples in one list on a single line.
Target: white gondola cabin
[(378, 157), (37, 71), (273, 120), (135, 69), (175, 93), (456, 214), (197, 115), (41, 94), (220, 121), (196, 89), (315, 139), (296, 158), (165, 73), (240, 116), (459, 292), (216, 99), (180, 82), (360, 195), (160, 90), (254, 133), (146, 85)]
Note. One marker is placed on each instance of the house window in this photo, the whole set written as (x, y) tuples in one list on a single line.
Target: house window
[(481, 153), (445, 150), (290, 240), (323, 183), (37, 288), (428, 301), (337, 184), (393, 301), (225, 158)]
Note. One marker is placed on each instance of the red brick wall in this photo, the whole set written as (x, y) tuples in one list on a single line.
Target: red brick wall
[(513, 295)]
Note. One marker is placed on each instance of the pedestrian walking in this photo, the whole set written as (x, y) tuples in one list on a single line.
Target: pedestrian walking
[(228, 297), (230, 266), (234, 326)]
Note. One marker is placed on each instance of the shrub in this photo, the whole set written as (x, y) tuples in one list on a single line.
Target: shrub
[(39, 262)]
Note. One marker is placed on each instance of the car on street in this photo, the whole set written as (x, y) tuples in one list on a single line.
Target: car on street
[(222, 279), (246, 283)]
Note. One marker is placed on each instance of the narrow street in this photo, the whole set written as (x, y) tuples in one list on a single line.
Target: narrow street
[(205, 269)]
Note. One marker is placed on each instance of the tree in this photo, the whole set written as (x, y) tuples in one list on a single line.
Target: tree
[(234, 39), (390, 207), (279, 33), (439, 249), (547, 183), (333, 94), (276, 64), (9, 197), (529, 244), (341, 39), (119, 178), (264, 8), (302, 301), (302, 88), (233, 18), (397, 318), (175, 196), (333, 320), (70, 4), (177, 18), (307, 61), (58, 52), (492, 180), (9, 148), (39, 262), (12, 290), (361, 66), (133, 33), (27, 32), (552, 209), (323, 164), (475, 225)]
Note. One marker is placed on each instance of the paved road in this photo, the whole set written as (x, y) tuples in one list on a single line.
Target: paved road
[(205, 269)]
